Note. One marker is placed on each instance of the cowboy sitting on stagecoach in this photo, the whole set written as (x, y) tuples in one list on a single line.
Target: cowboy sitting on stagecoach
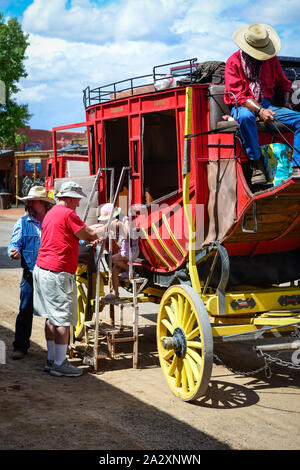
[(251, 74)]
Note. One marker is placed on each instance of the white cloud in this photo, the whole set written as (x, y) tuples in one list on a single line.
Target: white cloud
[(123, 19), (62, 61), (33, 94), (93, 44), (275, 13)]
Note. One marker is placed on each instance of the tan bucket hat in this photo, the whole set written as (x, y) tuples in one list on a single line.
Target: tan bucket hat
[(258, 40), (70, 189), (38, 193)]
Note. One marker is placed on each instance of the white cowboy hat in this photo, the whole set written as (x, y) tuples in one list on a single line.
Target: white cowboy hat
[(70, 189), (37, 193), (105, 212), (258, 40)]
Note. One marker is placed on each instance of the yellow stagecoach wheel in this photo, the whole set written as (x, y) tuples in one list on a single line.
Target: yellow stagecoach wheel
[(84, 313), (185, 342)]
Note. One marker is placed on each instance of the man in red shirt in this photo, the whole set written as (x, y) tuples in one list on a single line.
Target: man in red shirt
[(251, 74), (53, 276)]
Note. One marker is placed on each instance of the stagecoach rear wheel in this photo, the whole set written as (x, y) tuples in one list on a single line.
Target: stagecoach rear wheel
[(185, 342), (83, 310)]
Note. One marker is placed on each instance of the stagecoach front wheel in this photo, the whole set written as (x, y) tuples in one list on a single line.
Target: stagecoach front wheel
[(185, 342)]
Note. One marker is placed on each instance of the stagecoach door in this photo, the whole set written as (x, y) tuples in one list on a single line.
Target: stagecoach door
[(160, 157), (116, 145)]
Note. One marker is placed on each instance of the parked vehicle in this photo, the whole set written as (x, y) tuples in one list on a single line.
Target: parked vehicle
[(214, 253)]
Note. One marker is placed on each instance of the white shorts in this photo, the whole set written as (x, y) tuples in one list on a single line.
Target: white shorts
[(55, 296)]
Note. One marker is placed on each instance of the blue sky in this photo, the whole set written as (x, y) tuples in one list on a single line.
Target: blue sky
[(75, 43)]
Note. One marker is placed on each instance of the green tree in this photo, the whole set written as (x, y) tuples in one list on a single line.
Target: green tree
[(13, 44)]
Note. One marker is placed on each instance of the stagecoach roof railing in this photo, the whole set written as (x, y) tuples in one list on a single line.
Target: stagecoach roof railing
[(108, 92)]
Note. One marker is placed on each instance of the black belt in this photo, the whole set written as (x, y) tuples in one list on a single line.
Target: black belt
[(44, 269)]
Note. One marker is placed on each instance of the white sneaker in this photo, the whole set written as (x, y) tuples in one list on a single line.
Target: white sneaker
[(65, 369)]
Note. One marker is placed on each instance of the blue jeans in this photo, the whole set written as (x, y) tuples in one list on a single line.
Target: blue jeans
[(247, 122), (24, 318)]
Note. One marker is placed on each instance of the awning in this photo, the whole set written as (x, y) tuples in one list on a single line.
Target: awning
[(7, 153)]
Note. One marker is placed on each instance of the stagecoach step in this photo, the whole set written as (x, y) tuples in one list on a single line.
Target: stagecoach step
[(124, 301), (118, 334)]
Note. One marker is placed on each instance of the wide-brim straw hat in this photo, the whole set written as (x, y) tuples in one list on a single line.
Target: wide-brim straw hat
[(105, 212), (38, 193), (258, 40)]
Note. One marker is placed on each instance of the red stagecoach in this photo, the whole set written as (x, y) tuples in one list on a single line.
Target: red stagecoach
[(213, 253)]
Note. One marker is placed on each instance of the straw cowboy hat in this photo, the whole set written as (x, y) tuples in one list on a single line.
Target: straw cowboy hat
[(70, 189), (105, 212), (258, 40), (37, 193)]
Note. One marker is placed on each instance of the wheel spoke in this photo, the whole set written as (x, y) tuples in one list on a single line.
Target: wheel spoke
[(168, 325), (194, 367), (194, 355), (184, 380), (82, 293), (186, 313), (190, 322), (194, 344), (175, 310), (171, 316), (173, 366), (81, 280), (189, 373), (180, 308), (80, 305), (168, 354), (178, 373), (193, 334)]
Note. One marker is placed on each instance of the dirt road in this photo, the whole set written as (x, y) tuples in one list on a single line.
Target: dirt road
[(123, 408)]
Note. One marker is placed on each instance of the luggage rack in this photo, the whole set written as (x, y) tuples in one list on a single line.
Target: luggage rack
[(108, 92), (187, 67)]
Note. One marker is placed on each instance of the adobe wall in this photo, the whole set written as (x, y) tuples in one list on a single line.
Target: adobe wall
[(45, 137)]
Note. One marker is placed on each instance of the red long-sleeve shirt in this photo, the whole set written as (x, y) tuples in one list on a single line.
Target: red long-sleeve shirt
[(271, 75)]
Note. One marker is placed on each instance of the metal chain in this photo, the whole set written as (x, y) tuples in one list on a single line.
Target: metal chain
[(267, 359), (278, 361), (266, 367)]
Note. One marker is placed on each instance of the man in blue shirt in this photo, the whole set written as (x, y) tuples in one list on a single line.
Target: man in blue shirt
[(24, 244)]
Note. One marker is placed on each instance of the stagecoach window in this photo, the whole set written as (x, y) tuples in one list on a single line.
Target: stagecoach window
[(49, 169), (160, 154), (116, 150)]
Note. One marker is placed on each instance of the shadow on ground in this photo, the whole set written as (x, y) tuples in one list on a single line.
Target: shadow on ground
[(39, 411)]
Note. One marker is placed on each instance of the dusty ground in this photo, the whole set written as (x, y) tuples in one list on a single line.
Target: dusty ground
[(123, 408)]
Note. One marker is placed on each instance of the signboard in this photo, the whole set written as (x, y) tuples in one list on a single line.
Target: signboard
[(29, 164), (33, 146)]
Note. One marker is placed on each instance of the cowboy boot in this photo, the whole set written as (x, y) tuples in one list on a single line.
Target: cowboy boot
[(258, 176)]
